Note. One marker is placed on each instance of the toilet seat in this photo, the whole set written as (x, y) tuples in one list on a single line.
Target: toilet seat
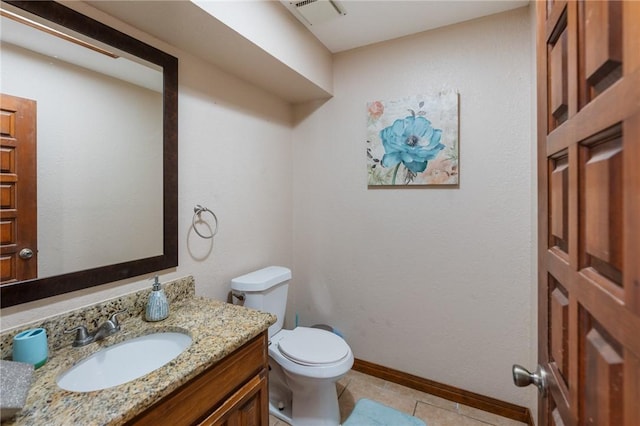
[(313, 347)]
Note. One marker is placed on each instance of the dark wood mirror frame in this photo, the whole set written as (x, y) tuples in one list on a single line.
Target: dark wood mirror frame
[(27, 291)]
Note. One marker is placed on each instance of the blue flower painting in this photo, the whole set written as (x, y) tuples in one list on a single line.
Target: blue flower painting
[(413, 141)]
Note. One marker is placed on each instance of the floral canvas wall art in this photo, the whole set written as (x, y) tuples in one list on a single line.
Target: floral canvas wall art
[(413, 141)]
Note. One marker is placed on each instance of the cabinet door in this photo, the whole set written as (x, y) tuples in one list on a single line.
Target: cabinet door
[(249, 406)]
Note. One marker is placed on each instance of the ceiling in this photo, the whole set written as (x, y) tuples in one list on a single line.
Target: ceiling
[(372, 21)]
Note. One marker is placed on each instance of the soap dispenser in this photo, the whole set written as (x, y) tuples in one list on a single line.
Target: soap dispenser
[(157, 305)]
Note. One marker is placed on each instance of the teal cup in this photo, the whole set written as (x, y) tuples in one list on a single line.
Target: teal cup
[(30, 346)]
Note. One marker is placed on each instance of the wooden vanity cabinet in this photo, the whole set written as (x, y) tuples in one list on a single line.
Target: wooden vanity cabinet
[(232, 392)]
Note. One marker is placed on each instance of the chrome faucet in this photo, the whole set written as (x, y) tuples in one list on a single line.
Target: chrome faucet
[(107, 328)]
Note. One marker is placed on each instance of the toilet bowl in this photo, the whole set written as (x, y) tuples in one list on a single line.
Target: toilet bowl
[(311, 361), (304, 363)]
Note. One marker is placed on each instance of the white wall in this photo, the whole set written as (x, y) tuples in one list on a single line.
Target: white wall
[(434, 282)]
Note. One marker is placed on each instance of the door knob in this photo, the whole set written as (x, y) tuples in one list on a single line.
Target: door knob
[(25, 254), (522, 377)]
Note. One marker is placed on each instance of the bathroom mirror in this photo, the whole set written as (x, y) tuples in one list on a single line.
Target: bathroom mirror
[(107, 205)]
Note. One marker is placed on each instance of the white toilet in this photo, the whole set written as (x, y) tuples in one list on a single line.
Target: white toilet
[(304, 363)]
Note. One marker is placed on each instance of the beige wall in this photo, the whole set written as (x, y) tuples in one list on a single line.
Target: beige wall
[(433, 282)]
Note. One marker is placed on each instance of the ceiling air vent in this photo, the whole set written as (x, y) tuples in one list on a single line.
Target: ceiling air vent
[(312, 12)]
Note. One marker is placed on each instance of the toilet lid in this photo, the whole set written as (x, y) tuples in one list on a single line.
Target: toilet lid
[(312, 346)]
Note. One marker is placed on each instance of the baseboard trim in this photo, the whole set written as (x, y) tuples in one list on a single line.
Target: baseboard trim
[(461, 396)]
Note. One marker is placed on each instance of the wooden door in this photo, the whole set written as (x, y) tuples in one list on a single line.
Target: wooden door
[(18, 190), (588, 61)]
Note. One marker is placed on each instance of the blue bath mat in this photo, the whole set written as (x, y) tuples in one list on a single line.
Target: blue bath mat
[(371, 413)]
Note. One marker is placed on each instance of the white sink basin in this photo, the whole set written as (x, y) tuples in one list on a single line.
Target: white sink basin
[(123, 362)]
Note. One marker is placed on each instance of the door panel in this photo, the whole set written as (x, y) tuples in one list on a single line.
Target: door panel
[(601, 366), (18, 189), (589, 211), (602, 41)]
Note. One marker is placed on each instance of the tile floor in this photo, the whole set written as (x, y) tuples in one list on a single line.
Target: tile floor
[(434, 411)]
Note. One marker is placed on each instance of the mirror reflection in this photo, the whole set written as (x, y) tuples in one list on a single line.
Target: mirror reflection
[(98, 151), (89, 153)]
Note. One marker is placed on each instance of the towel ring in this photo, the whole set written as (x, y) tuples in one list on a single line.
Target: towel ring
[(196, 212)]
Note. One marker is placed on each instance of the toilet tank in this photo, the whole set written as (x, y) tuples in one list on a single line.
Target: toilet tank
[(265, 290)]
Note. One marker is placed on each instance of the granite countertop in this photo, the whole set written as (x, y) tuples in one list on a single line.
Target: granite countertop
[(217, 329)]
